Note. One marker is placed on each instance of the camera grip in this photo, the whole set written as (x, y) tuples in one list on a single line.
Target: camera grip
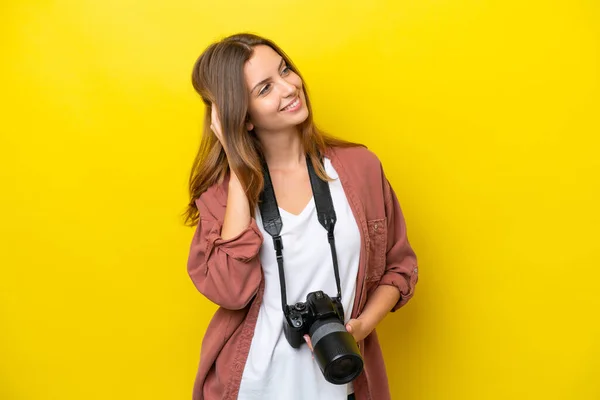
[(294, 329)]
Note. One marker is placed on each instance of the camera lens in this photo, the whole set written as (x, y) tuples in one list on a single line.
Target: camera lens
[(336, 351), (344, 367)]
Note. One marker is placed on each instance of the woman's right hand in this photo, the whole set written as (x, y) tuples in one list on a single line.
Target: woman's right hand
[(215, 124), (216, 127), (237, 213)]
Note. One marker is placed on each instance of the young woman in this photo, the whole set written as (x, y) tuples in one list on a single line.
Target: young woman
[(258, 113)]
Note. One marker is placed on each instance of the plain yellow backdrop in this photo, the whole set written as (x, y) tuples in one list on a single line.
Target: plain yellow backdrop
[(485, 115)]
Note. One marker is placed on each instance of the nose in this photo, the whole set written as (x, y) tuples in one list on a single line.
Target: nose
[(287, 89)]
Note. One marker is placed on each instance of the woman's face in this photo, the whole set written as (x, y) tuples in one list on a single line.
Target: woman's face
[(277, 101)]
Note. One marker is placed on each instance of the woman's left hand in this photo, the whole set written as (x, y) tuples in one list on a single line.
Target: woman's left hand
[(358, 328)]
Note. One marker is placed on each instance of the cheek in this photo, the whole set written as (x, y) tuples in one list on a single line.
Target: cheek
[(272, 104), (263, 110), (266, 107)]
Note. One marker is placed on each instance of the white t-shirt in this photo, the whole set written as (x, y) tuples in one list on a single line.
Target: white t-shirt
[(274, 369)]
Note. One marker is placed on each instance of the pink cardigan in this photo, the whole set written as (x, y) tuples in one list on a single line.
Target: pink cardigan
[(229, 273)]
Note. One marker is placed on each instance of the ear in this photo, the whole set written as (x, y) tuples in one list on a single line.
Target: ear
[(249, 126)]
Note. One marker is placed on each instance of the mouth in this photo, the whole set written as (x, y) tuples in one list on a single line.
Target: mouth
[(292, 105)]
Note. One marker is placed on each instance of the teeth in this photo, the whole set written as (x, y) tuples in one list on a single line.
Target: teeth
[(294, 104)]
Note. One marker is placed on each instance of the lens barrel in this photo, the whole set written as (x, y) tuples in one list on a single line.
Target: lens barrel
[(336, 351)]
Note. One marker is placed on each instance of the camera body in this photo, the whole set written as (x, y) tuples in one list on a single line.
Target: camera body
[(300, 317)]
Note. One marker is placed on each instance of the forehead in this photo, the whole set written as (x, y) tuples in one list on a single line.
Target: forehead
[(261, 65)]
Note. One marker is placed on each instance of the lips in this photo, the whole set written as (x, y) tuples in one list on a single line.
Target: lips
[(290, 103)]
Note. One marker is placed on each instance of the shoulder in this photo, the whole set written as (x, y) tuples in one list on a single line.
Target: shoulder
[(356, 159), (362, 176), (360, 153)]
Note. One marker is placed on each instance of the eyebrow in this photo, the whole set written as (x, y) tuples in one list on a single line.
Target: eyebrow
[(267, 79)]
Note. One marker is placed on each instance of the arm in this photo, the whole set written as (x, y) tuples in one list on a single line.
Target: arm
[(223, 262), (237, 213), (401, 269), (378, 306), (398, 282)]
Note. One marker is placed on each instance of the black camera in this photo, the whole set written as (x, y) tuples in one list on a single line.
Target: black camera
[(334, 348)]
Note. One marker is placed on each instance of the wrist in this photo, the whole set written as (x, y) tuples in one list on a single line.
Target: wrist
[(368, 324), (233, 179)]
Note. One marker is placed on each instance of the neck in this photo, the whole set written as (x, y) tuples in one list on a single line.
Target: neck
[(283, 150)]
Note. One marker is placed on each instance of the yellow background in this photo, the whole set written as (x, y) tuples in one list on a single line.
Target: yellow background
[(484, 113)]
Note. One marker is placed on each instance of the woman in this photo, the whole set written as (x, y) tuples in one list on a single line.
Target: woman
[(258, 111)]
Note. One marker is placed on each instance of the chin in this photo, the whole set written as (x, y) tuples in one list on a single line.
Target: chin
[(302, 116), (288, 121)]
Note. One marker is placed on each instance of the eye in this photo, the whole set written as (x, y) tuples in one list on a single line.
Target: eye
[(265, 89), (286, 70)]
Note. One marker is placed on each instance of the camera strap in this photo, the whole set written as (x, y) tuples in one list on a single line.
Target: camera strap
[(273, 224)]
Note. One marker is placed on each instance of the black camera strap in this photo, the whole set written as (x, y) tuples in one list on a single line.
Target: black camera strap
[(273, 224)]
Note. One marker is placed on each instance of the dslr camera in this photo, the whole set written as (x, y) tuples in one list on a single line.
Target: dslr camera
[(334, 348)]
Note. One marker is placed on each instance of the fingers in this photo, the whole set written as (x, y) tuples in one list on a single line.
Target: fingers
[(214, 115), (354, 328), (309, 343), (349, 326), (215, 123)]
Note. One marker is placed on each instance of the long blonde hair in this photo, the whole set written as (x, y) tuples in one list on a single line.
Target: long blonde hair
[(218, 76)]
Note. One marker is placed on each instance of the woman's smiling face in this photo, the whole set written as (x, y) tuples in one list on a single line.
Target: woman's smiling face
[(277, 100)]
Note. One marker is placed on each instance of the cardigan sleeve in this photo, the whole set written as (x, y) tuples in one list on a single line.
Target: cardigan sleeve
[(227, 272), (401, 268)]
